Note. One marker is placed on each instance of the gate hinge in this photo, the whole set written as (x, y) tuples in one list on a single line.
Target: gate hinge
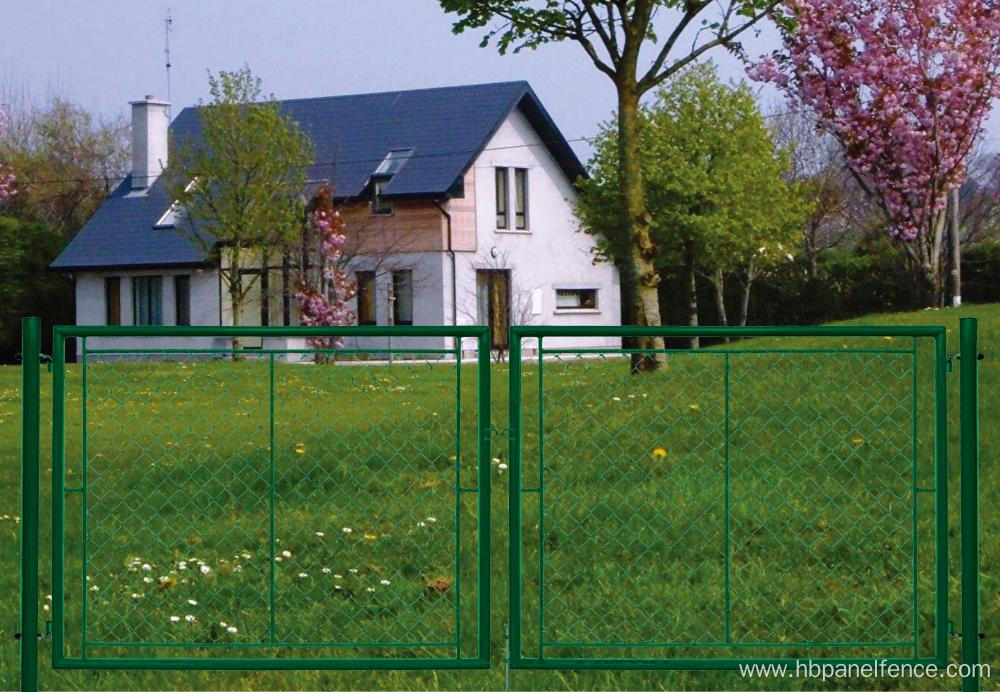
[(500, 433), (958, 356)]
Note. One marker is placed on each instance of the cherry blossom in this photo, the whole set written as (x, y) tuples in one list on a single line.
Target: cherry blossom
[(905, 86), (6, 177), (326, 304)]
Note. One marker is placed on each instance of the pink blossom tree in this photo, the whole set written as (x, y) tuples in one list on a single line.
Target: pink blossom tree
[(323, 295), (905, 86), (6, 177)]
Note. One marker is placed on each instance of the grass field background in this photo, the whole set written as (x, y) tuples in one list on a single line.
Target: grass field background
[(624, 489)]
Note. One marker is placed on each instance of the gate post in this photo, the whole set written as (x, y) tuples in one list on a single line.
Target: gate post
[(30, 431), (969, 425)]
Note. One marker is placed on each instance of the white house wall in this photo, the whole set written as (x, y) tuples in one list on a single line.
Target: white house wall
[(551, 254), (91, 308)]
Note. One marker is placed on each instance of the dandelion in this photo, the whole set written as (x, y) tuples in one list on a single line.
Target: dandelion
[(694, 408), (231, 630), (190, 618), (205, 569), (370, 536), (385, 582), (320, 534), (300, 448), (191, 601), (659, 453), (858, 441), (175, 618), (347, 529), (286, 553)]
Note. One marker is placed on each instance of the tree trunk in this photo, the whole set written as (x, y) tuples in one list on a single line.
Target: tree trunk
[(956, 250), (647, 304), (719, 284), (745, 298), (692, 291)]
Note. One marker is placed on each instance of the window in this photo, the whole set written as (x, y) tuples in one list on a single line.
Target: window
[(503, 216), (182, 299), (393, 161), (521, 199), (380, 205), (112, 300), (576, 299), (147, 300), (366, 297), (402, 294)]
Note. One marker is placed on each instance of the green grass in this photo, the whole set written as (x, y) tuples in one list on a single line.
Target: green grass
[(634, 538)]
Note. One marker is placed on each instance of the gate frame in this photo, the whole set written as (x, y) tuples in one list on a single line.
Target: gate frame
[(969, 466), (483, 597)]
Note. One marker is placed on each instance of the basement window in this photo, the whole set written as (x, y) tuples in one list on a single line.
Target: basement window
[(576, 299)]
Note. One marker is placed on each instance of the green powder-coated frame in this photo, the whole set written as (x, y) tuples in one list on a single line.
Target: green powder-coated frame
[(29, 634), (937, 337), (61, 333)]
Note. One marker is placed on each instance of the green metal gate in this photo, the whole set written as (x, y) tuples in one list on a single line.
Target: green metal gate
[(782, 500), (237, 509)]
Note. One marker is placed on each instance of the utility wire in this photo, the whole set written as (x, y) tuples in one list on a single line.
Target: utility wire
[(439, 154)]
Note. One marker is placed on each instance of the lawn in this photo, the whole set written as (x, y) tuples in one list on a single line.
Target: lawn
[(812, 453)]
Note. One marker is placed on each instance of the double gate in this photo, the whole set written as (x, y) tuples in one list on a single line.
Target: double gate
[(218, 503)]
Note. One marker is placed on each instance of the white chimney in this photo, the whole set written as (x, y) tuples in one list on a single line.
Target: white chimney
[(149, 141)]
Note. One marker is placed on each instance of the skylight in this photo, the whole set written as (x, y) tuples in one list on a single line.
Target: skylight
[(393, 161)]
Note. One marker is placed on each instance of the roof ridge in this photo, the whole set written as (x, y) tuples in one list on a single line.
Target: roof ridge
[(453, 87)]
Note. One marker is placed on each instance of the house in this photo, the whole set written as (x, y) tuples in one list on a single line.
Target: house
[(459, 208)]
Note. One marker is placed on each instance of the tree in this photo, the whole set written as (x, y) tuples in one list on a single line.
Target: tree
[(26, 286), (67, 160), (6, 177), (717, 194), (322, 292), (613, 34), (239, 185), (816, 166), (905, 86)]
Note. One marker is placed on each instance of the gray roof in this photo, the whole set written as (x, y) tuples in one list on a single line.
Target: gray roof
[(446, 129)]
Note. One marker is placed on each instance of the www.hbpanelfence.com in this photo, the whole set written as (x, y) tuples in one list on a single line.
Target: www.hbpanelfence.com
[(878, 668)]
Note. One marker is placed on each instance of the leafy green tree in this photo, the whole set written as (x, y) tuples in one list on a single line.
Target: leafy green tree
[(239, 186), (26, 286), (622, 40), (715, 184)]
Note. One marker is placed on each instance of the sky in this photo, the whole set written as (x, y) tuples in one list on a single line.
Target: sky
[(105, 53)]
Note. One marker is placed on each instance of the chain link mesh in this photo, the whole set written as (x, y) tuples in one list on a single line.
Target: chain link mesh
[(730, 504), (262, 505)]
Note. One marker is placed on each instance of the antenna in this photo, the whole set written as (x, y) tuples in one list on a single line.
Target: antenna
[(167, 28)]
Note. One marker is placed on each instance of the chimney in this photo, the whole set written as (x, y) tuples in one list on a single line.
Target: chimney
[(149, 141)]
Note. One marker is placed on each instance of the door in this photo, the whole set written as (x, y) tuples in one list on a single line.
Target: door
[(493, 293)]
